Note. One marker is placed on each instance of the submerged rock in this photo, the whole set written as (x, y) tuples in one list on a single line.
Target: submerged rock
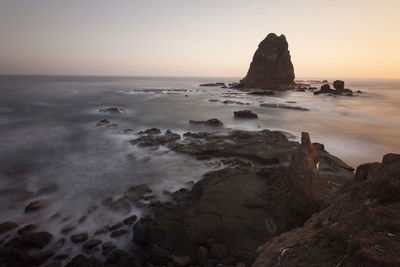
[(112, 110), (245, 114), (271, 67), (213, 84), (283, 106), (135, 193), (36, 205), (210, 122)]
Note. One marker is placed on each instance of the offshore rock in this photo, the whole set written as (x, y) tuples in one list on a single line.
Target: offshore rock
[(271, 67)]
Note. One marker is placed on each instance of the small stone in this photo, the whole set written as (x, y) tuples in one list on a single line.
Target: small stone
[(135, 193), (118, 233), (29, 228), (82, 237), (36, 205), (240, 264), (130, 220), (246, 114), (91, 244), (103, 122), (116, 226), (108, 247)]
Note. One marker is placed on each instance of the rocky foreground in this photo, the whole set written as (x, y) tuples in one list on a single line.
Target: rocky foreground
[(273, 202)]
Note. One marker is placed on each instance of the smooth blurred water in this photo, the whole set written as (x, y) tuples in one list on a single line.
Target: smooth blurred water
[(49, 138)]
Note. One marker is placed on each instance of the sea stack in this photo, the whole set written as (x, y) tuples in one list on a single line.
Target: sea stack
[(271, 67)]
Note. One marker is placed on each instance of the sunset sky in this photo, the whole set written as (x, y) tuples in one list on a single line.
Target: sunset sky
[(341, 38)]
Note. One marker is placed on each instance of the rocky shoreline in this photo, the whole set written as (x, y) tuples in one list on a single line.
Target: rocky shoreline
[(268, 190)]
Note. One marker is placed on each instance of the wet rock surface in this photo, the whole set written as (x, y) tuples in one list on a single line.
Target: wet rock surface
[(210, 122), (245, 114), (273, 187), (339, 89), (112, 110)]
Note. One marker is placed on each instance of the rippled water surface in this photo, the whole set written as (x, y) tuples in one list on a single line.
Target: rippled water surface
[(51, 147)]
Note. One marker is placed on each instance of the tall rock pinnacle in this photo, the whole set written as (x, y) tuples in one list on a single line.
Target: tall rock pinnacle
[(271, 67)]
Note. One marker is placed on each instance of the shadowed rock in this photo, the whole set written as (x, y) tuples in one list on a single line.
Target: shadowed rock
[(271, 67)]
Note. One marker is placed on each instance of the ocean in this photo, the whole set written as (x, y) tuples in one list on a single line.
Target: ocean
[(52, 149)]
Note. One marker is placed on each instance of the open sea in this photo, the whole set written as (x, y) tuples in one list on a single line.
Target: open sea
[(51, 148)]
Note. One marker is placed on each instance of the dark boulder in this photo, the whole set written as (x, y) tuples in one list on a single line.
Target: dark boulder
[(36, 205), (271, 67), (338, 84), (245, 114), (79, 238)]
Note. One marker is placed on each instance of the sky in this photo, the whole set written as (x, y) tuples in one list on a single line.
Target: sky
[(327, 38)]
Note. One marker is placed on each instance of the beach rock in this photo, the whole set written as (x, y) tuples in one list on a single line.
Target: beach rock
[(29, 228), (245, 114), (242, 205), (213, 84), (325, 89), (112, 110), (116, 226), (7, 226), (36, 205), (31, 240), (283, 106), (103, 122), (234, 85), (135, 193), (79, 238), (202, 256), (108, 247), (155, 140), (359, 228), (210, 122), (150, 131), (338, 85), (271, 67), (130, 220), (262, 92), (118, 233), (91, 244), (80, 260)]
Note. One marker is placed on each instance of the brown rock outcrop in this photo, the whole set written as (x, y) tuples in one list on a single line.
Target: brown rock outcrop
[(360, 227), (271, 67)]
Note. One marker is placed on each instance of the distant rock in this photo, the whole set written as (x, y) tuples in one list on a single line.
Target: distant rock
[(212, 84), (210, 122), (112, 110), (283, 106), (339, 89), (263, 92), (271, 67), (245, 114), (103, 122)]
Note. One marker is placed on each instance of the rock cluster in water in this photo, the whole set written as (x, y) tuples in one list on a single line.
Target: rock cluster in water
[(271, 67)]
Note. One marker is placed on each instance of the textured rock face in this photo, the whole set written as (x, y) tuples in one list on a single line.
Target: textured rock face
[(359, 228), (271, 67)]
